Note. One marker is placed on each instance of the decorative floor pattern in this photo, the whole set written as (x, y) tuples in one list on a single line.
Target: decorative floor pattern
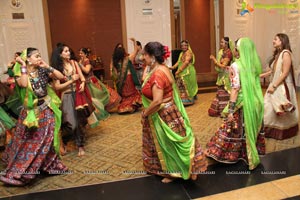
[(113, 151)]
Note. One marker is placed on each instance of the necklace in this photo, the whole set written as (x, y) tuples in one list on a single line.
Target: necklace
[(68, 69), (34, 75), (33, 72)]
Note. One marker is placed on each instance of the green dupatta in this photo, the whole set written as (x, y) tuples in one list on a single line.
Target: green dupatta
[(186, 71), (223, 75), (123, 69), (175, 152), (219, 56), (6, 119), (188, 74), (252, 97), (30, 100)]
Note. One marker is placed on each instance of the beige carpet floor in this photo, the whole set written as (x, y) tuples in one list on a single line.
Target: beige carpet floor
[(113, 150)]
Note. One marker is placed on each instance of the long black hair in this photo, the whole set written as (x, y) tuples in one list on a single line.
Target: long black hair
[(86, 51), (118, 55), (227, 41), (56, 59)]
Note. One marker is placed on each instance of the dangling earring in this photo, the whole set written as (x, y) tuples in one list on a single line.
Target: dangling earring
[(152, 61), (29, 62)]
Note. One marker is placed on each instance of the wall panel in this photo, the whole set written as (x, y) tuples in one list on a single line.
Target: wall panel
[(93, 23)]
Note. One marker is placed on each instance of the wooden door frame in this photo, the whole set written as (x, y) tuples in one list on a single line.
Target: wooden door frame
[(209, 76)]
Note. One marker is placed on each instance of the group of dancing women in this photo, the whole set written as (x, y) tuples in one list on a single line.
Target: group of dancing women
[(59, 100)]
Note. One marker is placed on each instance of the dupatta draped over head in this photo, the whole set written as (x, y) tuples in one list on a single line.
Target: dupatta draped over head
[(188, 74), (249, 66), (30, 100)]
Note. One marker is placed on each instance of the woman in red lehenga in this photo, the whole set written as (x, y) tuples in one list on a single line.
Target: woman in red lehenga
[(35, 143), (104, 98), (127, 81)]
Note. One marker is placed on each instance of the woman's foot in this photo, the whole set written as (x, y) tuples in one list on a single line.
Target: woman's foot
[(194, 177), (81, 151), (62, 150), (206, 152), (167, 180), (12, 181)]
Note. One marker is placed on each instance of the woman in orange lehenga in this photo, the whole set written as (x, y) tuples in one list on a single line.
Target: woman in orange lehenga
[(102, 96), (170, 148)]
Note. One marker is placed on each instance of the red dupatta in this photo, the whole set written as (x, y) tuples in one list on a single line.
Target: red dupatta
[(83, 100)]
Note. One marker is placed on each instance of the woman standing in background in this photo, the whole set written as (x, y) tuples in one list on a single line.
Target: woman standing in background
[(99, 93), (223, 60), (127, 82), (281, 109), (186, 78)]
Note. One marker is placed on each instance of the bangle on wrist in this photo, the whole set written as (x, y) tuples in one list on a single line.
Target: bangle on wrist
[(23, 70), (51, 69), (231, 106), (70, 78)]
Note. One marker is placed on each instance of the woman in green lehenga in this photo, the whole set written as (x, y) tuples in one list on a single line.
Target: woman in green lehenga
[(240, 137), (169, 146), (6, 122), (186, 78), (222, 62)]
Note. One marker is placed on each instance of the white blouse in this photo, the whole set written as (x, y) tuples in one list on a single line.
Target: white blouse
[(234, 74)]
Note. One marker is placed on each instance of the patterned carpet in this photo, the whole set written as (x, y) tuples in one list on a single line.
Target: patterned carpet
[(113, 151)]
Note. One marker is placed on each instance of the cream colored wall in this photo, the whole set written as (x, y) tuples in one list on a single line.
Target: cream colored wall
[(261, 25), (18, 34), (145, 28)]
